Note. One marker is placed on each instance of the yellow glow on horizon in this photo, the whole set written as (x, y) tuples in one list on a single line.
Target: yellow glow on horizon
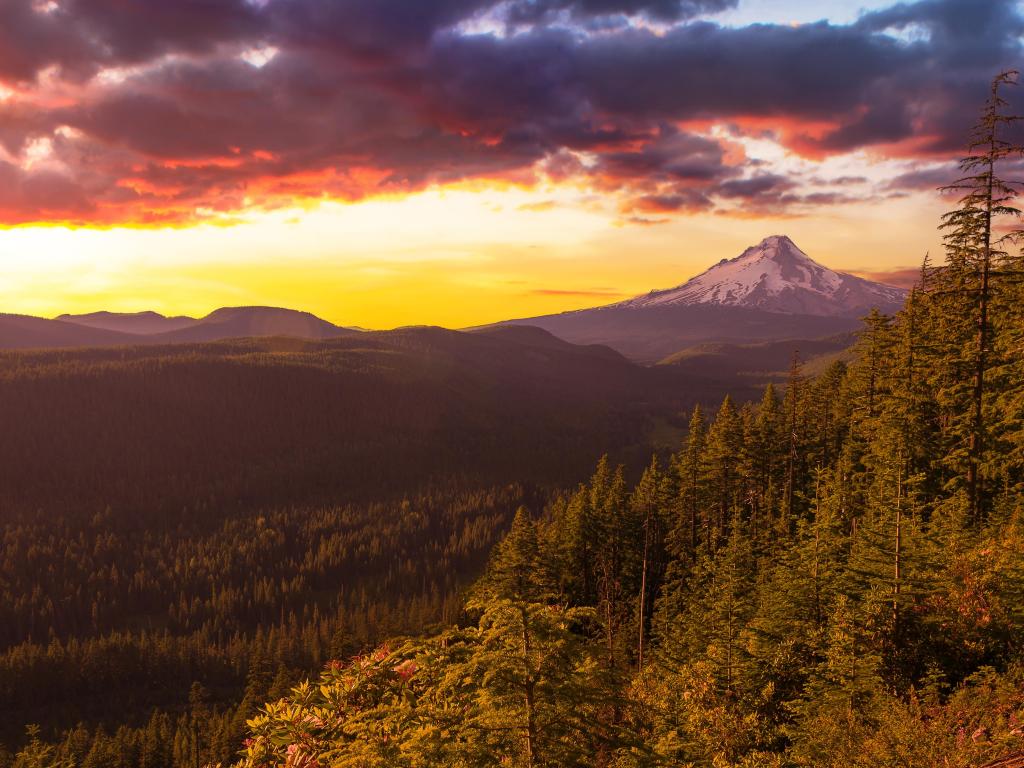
[(455, 257)]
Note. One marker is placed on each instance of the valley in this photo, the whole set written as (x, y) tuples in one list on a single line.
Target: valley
[(511, 384), (197, 515), (179, 513)]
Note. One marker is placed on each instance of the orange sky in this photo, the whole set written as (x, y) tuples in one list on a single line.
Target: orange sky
[(453, 258), (457, 162)]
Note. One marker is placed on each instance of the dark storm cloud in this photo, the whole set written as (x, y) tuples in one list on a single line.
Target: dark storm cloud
[(887, 121), (374, 29), (756, 186), (703, 70), (936, 177), (924, 178), (671, 155), (689, 200), (868, 87), (31, 41), (209, 109), (142, 29), (490, 84), (32, 196), (533, 11), (391, 95), (81, 36), (981, 33)]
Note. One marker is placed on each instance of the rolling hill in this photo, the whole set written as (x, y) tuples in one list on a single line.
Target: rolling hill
[(262, 420), (742, 365), (101, 329), (27, 332), (139, 323)]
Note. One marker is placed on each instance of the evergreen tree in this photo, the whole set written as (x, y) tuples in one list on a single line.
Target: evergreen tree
[(840, 703), (975, 255), (649, 504), (793, 442), (724, 452), (517, 571), (763, 441), (37, 754), (794, 600), (617, 563), (539, 694), (691, 475)]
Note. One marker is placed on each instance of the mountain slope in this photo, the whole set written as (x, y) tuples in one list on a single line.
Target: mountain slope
[(273, 420), (758, 364), (101, 329), (771, 292), (26, 332), (533, 336), (776, 276), (245, 322), (130, 322), (649, 334)]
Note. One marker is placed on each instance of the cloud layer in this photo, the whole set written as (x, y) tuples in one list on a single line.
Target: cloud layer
[(167, 113)]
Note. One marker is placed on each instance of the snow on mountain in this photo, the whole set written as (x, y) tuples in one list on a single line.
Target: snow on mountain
[(776, 276)]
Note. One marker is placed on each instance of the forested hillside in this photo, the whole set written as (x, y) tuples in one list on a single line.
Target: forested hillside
[(269, 421), (832, 577), (235, 514)]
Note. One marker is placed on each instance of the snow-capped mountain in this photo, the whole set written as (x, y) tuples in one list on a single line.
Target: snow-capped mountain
[(776, 276), (771, 292)]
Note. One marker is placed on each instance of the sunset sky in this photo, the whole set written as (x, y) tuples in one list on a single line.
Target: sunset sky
[(386, 162)]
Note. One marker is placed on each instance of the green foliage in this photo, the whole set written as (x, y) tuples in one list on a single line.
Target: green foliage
[(520, 688), (830, 578), (36, 754), (246, 607)]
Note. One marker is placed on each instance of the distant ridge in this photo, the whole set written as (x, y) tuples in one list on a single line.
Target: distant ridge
[(99, 329), (142, 323), (26, 332), (776, 276), (773, 291), (242, 322)]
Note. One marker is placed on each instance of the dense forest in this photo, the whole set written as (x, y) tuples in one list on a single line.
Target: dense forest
[(263, 422), (235, 514), (830, 576)]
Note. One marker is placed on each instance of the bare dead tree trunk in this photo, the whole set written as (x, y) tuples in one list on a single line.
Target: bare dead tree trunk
[(643, 591)]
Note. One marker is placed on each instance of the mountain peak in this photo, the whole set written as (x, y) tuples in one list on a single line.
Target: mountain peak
[(778, 248), (776, 276), (777, 240)]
